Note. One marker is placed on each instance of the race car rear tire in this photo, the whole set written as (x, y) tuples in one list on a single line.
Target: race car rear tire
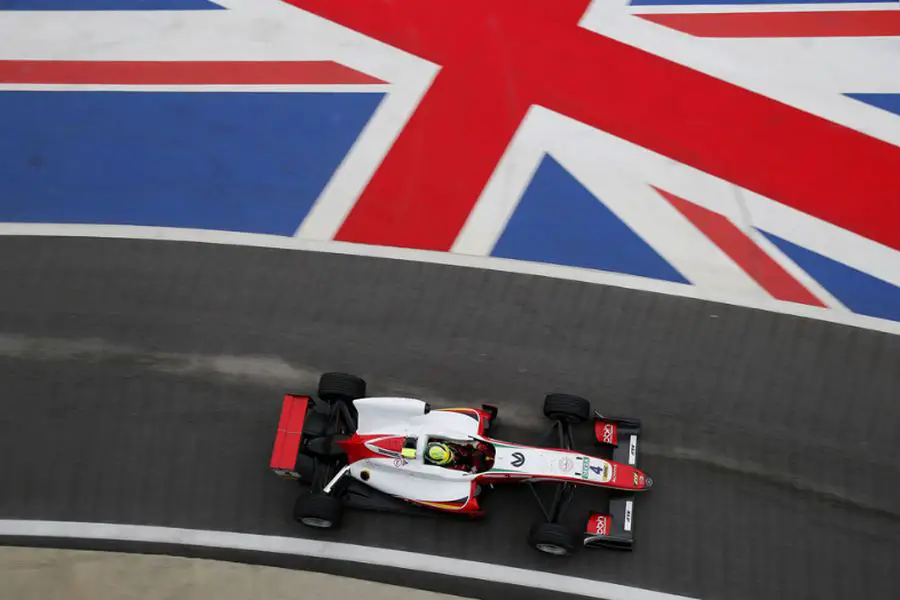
[(336, 387), (318, 510), (552, 538), (568, 408)]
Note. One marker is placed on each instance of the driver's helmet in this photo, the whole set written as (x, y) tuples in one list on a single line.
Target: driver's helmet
[(439, 453)]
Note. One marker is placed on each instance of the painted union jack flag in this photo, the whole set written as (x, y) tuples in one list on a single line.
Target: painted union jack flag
[(748, 150), (774, 18)]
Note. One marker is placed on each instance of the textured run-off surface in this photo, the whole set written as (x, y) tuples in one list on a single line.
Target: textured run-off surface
[(141, 383), (51, 574)]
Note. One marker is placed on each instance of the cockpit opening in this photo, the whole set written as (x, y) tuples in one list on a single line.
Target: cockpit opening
[(472, 456)]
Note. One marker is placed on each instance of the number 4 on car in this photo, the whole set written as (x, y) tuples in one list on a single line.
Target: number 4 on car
[(350, 450)]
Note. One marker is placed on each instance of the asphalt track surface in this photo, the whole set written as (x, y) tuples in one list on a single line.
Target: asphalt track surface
[(141, 383)]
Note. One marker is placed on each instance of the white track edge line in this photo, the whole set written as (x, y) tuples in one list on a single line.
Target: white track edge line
[(444, 258), (332, 550)]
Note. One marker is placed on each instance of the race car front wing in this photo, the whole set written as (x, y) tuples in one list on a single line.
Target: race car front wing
[(615, 527), (613, 530)]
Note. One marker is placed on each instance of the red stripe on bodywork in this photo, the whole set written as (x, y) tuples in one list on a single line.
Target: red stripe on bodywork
[(390, 444), (181, 73), (850, 23), (741, 249), (357, 449)]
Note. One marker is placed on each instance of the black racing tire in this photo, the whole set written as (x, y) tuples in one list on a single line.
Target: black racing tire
[(337, 387), (566, 407), (552, 538), (318, 510)]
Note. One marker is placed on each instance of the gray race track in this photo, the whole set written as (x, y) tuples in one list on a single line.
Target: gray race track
[(141, 383)]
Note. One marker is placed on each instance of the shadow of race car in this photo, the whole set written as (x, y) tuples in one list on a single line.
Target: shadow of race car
[(376, 453)]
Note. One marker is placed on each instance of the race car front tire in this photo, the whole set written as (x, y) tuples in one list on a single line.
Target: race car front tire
[(318, 510), (552, 538), (336, 387), (566, 407)]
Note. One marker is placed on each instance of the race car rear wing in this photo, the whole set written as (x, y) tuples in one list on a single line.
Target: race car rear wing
[(615, 528), (287, 440)]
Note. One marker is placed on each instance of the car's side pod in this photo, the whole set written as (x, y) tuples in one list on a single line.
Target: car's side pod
[(614, 529)]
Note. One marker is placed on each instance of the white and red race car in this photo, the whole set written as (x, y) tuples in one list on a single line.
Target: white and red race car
[(363, 452)]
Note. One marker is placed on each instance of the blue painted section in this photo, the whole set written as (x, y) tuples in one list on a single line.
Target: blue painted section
[(559, 221), (860, 292), (109, 5), (252, 162), (741, 2), (888, 102)]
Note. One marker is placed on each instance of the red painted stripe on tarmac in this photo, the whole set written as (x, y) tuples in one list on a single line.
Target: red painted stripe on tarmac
[(863, 23), (425, 188), (771, 276), (181, 72)]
